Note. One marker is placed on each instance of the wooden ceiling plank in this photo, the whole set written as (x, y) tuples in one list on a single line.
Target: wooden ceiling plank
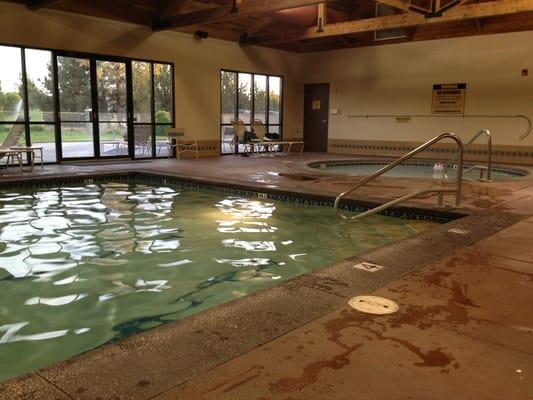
[(227, 13), (405, 20), (172, 7), (261, 24), (37, 4), (405, 5)]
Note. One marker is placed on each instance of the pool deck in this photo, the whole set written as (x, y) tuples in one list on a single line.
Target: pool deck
[(464, 329)]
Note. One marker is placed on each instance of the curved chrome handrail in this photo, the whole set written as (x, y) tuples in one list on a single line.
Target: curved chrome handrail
[(489, 145), (407, 156)]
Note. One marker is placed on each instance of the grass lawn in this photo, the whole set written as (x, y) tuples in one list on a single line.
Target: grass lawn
[(48, 136)]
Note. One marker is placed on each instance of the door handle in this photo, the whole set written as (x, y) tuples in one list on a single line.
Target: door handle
[(324, 121)]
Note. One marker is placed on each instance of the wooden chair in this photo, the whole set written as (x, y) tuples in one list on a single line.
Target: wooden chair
[(183, 144), (240, 129)]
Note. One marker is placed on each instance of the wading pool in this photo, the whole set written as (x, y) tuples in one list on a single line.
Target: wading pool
[(414, 169), (84, 265)]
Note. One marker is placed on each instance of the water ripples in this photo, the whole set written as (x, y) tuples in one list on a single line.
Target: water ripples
[(82, 266)]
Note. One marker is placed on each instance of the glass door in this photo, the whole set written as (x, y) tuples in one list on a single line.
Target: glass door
[(112, 96), (76, 114)]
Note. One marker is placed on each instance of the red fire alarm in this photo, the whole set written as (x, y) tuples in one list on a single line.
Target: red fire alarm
[(525, 72)]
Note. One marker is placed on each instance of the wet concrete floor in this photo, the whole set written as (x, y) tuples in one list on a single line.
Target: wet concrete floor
[(464, 329)]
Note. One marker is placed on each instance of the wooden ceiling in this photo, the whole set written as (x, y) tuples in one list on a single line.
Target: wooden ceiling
[(311, 25)]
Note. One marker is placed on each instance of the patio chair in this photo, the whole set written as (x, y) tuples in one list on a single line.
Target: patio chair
[(260, 130), (228, 139), (143, 140), (10, 141), (182, 143), (239, 128), (14, 134)]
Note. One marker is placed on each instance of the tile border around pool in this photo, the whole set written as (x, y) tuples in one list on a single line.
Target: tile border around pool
[(149, 177), (317, 165)]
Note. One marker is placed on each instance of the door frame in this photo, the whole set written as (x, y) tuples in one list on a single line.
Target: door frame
[(93, 58), (328, 85)]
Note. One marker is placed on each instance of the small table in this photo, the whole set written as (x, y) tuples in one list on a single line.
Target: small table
[(11, 154), (31, 151), (116, 143)]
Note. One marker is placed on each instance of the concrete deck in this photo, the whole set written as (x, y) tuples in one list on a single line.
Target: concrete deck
[(464, 329), (463, 332)]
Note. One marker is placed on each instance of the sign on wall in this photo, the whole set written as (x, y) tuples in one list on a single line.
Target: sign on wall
[(449, 98)]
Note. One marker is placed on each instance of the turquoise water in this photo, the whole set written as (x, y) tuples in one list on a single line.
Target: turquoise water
[(82, 266), (415, 169)]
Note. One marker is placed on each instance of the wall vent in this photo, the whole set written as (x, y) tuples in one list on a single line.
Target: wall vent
[(384, 10)]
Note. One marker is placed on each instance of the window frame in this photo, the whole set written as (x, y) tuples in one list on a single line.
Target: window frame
[(267, 123), (55, 52)]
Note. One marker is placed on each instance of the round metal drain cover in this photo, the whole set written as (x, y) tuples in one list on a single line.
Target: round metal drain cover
[(373, 305)]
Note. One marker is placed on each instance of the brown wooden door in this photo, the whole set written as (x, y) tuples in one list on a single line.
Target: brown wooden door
[(316, 111)]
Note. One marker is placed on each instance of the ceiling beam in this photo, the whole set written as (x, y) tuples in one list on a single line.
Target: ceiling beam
[(405, 5), (253, 30), (227, 13), (405, 20), (37, 4), (172, 7), (322, 17), (259, 26), (436, 8)]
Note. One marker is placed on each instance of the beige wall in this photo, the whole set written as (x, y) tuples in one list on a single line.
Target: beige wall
[(398, 79), (197, 63)]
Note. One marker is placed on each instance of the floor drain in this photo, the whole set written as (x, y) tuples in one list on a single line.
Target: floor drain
[(459, 231), (368, 266), (373, 305)]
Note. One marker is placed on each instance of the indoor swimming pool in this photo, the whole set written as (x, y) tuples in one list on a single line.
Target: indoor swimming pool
[(413, 169), (84, 265)]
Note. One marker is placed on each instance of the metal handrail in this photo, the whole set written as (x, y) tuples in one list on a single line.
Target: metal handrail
[(407, 156), (522, 136), (489, 151), (481, 168)]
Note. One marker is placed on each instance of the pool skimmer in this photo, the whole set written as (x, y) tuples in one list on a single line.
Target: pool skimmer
[(373, 305)]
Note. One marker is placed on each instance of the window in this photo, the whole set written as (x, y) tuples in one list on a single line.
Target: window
[(40, 92), (152, 107), (12, 114), (11, 85), (78, 105), (249, 97), (162, 104)]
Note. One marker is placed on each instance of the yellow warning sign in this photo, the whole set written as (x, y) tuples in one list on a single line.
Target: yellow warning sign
[(316, 104)]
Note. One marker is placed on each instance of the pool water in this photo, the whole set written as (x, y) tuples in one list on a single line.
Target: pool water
[(82, 266), (410, 169)]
